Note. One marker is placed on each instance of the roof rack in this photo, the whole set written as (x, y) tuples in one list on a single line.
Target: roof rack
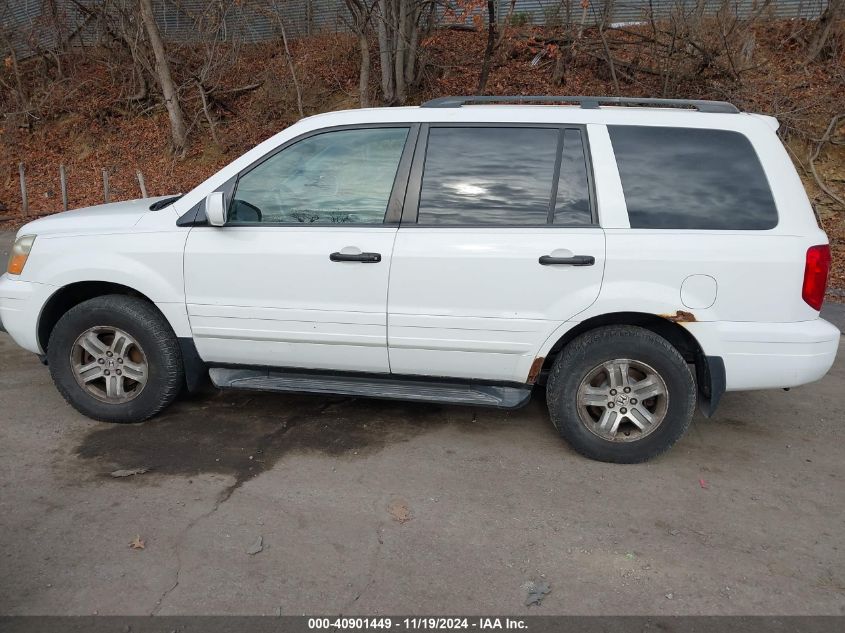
[(586, 102)]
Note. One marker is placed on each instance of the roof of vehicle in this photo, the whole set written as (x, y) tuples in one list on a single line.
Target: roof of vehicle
[(555, 110)]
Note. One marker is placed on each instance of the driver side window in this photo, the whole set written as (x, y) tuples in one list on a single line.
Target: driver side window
[(340, 177)]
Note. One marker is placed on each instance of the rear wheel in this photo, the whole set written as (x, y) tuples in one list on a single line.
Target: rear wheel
[(115, 358), (621, 394)]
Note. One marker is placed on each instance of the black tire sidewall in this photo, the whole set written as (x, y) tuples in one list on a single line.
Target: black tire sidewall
[(594, 348), (147, 326)]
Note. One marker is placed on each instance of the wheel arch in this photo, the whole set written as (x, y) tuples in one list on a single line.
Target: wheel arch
[(709, 370), (72, 295)]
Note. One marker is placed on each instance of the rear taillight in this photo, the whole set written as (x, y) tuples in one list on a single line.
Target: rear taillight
[(815, 275)]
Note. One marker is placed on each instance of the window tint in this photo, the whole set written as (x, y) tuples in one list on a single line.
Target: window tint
[(342, 177), (685, 178), (572, 204), (488, 176)]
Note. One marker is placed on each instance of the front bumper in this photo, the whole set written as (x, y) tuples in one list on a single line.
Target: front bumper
[(20, 306), (769, 355)]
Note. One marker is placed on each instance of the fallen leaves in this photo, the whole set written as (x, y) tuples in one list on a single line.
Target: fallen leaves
[(137, 543), (129, 472), (399, 510), (536, 592), (256, 547)]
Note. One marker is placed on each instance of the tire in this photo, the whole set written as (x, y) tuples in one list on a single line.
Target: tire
[(150, 359), (581, 375)]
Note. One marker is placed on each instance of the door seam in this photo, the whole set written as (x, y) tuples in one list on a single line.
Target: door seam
[(387, 302)]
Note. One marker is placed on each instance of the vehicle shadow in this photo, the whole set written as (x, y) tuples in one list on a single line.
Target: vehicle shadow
[(243, 433)]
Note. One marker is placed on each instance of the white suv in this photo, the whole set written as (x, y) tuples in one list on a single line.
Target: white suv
[(631, 259)]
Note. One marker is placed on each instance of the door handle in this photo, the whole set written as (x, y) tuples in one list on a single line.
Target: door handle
[(575, 260), (364, 258)]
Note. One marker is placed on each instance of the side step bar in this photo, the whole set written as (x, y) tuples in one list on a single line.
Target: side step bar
[(387, 387)]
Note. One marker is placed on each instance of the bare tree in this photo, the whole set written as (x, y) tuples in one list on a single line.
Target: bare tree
[(122, 35), (399, 24), (360, 12), (17, 91), (830, 24), (566, 54), (289, 58), (489, 48), (827, 137), (607, 12), (178, 131), (219, 51)]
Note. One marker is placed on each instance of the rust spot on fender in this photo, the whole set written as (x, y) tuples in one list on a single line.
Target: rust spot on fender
[(680, 316), (536, 366)]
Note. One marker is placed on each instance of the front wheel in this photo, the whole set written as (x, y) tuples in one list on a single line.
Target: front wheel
[(115, 358), (621, 394)]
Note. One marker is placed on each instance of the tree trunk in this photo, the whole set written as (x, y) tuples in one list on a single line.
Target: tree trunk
[(385, 56), (23, 99), (364, 76), (291, 67), (360, 12), (399, 59), (491, 44), (827, 22), (207, 111), (566, 56), (168, 88), (605, 18), (58, 26), (413, 44), (398, 40)]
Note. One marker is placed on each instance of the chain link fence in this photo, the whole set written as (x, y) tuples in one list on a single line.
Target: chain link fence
[(32, 25)]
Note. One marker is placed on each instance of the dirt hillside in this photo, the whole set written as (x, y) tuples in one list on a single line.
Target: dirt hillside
[(86, 122)]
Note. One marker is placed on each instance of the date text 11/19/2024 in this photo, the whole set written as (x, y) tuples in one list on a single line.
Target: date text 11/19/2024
[(416, 623)]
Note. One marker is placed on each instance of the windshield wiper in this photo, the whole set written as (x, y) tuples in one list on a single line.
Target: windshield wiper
[(160, 204)]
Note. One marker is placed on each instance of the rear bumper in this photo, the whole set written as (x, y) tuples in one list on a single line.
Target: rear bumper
[(769, 355), (20, 307)]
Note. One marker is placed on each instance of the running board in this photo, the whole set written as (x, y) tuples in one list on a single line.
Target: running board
[(390, 388)]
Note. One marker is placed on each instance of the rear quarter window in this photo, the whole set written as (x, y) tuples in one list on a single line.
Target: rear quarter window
[(689, 178)]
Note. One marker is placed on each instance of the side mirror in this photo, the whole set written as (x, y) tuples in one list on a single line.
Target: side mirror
[(215, 208)]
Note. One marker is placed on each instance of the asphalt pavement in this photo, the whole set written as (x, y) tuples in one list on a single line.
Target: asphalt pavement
[(255, 503)]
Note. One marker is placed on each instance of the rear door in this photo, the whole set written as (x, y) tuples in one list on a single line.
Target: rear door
[(498, 246)]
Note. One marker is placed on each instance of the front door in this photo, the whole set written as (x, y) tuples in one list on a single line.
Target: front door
[(498, 246), (298, 275)]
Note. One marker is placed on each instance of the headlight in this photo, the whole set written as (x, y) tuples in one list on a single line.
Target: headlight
[(20, 253)]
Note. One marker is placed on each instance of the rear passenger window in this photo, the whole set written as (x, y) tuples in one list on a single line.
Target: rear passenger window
[(488, 176), (687, 178)]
